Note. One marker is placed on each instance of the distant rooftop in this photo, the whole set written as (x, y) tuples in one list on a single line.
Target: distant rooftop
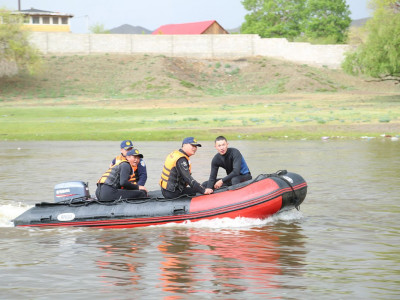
[(34, 11), (186, 28)]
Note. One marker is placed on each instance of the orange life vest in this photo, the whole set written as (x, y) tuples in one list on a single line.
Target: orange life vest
[(112, 175), (135, 176), (170, 179)]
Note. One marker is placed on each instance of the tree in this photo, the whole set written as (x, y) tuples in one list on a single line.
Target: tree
[(14, 42), (324, 21), (379, 56), (98, 28), (274, 18), (327, 21), (381, 5)]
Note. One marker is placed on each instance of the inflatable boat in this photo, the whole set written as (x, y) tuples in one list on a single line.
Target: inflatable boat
[(261, 197)]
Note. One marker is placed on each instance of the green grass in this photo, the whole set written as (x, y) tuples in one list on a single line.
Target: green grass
[(110, 97), (266, 118)]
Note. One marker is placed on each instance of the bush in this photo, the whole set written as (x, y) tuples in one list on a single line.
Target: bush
[(379, 56), (14, 43)]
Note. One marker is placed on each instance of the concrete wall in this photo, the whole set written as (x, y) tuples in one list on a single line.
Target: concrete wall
[(204, 46)]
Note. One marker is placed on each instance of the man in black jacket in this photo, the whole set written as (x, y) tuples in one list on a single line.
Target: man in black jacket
[(232, 161), (176, 177), (115, 182)]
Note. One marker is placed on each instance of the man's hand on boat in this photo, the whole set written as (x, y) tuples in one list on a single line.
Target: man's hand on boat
[(208, 191), (141, 187), (218, 184)]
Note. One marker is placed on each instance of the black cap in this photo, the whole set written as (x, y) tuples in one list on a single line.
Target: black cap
[(134, 152), (191, 140)]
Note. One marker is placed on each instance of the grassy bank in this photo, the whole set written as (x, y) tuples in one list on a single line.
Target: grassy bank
[(311, 117), (159, 98)]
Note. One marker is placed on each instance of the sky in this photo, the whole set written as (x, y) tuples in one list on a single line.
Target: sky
[(151, 14)]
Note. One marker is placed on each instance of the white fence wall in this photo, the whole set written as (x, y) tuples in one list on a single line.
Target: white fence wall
[(204, 46)]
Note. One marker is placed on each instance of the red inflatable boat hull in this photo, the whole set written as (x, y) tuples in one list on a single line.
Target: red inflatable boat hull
[(259, 198)]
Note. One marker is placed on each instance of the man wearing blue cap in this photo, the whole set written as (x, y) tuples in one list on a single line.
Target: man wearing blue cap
[(141, 167), (116, 182), (176, 177)]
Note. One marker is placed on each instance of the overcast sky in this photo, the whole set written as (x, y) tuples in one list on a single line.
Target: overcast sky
[(151, 14)]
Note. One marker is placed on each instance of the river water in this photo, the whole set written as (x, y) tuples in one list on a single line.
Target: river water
[(343, 244)]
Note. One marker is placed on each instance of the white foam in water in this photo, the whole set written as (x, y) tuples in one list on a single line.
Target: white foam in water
[(238, 222), (8, 212)]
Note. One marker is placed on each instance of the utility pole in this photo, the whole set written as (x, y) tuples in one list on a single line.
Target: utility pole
[(19, 5)]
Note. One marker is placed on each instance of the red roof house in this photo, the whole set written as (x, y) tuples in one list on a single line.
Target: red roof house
[(206, 27)]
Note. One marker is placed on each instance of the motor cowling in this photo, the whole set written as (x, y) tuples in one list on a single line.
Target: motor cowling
[(71, 190)]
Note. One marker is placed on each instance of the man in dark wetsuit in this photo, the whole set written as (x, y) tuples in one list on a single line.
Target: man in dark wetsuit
[(176, 177), (115, 183), (232, 161)]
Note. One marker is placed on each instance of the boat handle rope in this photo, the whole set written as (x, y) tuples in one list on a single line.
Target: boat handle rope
[(280, 174)]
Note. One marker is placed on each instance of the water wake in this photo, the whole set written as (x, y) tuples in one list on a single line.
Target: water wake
[(239, 222), (10, 211)]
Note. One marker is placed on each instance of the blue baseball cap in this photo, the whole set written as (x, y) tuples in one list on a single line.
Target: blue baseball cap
[(192, 141), (134, 152), (126, 144)]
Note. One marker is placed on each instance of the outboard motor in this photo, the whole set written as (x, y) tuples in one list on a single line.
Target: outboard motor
[(71, 190)]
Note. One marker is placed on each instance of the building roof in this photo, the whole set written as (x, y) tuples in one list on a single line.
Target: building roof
[(185, 28), (39, 12)]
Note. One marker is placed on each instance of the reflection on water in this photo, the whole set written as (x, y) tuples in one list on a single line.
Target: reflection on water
[(343, 244), (191, 260)]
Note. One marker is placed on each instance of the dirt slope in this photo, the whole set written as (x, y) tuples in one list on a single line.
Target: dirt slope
[(157, 77)]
